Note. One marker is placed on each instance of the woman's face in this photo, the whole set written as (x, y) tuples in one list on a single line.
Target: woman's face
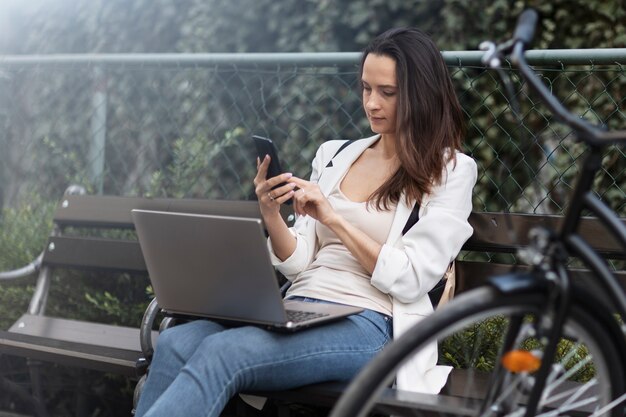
[(380, 93)]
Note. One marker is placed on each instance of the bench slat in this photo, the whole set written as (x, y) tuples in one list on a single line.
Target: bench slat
[(98, 211), (461, 396), (491, 232), (81, 355), (396, 402), (112, 336), (391, 400), (97, 346), (114, 212), (453, 399), (470, 274), (95, 253)]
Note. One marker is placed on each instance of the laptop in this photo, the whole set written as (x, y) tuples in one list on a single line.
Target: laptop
[(219, 267)]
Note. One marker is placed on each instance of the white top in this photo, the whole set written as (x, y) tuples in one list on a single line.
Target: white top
[(409, 265), (335, 274)]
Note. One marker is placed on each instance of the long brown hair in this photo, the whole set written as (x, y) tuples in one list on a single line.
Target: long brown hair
[(429, 121)]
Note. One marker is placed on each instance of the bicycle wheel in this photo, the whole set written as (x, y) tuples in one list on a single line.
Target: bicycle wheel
[(586, 378)]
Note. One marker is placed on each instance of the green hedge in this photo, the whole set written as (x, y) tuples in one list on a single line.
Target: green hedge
[(24, 233)]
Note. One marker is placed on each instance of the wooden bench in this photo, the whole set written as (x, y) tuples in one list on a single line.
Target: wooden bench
[(96, 346), (492, 235), (127, 351)]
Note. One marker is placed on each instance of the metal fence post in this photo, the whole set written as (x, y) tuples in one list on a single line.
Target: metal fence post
[(98, 129)]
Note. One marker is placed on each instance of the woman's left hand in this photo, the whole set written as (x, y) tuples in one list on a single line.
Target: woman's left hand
[(309, 200)]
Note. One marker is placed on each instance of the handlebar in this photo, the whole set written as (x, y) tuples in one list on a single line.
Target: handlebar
[(515, 49), (525, 28)]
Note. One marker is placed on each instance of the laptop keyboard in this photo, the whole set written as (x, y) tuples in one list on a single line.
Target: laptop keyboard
[(298, 316)]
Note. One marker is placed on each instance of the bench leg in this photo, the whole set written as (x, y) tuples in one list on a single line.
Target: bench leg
[(24, 396), (34, 368), (283, 410), (81, 396), (242, 409)]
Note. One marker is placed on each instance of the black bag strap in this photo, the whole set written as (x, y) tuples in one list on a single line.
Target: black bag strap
[(436, 293), (413, 218), (341, 148), (415, 215)]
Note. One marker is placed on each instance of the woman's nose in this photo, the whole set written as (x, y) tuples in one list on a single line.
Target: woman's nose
[(372, 103)]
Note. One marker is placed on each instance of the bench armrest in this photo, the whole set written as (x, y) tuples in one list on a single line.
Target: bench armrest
[(145, 331), (24, 271)]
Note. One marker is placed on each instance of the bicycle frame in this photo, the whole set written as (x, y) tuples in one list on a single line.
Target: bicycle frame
[(582, 197), (553, 249)]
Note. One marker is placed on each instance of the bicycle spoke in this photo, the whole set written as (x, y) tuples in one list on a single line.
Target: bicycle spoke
[(610, 406), (550, 387), (502, 398), (571, 392)]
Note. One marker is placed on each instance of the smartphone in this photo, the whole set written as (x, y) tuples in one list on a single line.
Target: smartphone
[(265, 146)]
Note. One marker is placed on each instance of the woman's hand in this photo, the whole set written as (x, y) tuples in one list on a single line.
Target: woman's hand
[(271, 199), (309, 200), (283, 242)]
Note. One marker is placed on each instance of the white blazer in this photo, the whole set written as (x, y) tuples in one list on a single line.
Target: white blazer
[(408, 266)]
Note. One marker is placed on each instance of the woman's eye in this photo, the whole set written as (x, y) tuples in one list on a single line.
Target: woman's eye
[(389, 93)]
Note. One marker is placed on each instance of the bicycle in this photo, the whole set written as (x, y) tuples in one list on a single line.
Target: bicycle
[(544, 330)]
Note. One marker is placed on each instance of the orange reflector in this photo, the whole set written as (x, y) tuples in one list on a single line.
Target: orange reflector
[(520, 361)]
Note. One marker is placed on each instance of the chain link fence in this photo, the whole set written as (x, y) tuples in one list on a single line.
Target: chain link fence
[(180, 125)]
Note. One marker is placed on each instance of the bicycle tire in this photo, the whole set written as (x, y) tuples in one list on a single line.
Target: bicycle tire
[(469, 311)]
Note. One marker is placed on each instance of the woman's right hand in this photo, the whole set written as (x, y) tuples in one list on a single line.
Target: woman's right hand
[(271, 199)]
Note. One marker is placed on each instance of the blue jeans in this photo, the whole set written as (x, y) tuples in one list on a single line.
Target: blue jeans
[(199, 366)]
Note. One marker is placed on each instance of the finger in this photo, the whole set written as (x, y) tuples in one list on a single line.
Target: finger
[(271, 197), (297, 207), (300, 182), (296, 204), (276, 193), (283, 198), (261, 173), (299, 196), (279, 191), (279, 179), (265, 163), (300, 201)]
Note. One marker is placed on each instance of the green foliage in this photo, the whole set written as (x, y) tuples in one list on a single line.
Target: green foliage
[(311, 26), (100, 26), (478, 347), (24, 233), (99, 297), (564, 23), (482, 340), (198, 167)]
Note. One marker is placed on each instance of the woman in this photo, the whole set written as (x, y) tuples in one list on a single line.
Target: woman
[(347, 245)]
